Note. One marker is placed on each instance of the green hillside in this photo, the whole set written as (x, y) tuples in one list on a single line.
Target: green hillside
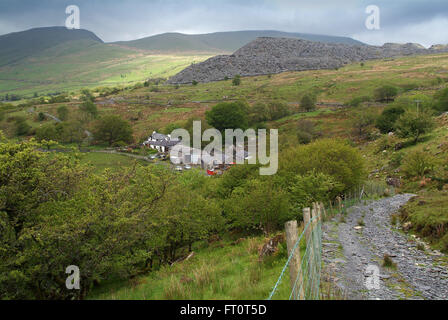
[(54, 59), (219, 42), (17, 46), (51, 60), (143, 220)]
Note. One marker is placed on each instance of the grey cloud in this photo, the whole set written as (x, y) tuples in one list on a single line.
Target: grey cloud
[(112, 20)]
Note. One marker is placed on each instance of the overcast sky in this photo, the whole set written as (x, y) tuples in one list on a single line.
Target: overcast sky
[(422, 21)]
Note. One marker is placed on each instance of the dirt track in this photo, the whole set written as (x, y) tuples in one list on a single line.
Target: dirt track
[(351, 251)]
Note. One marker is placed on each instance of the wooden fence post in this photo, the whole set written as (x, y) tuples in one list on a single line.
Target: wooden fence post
[(306, 221), (314, 258), (339, 203), (323, 211), (295, 271)]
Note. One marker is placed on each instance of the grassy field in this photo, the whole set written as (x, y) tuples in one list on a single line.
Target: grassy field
[(157, 109), (102, 161), (223, 270), (70, 67)]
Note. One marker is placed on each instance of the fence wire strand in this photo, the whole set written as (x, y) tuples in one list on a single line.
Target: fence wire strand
[(307, 281)]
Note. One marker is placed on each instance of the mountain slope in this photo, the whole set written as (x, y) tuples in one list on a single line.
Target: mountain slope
[(276, 55), (220, 42), (51, 60), (17, 46)]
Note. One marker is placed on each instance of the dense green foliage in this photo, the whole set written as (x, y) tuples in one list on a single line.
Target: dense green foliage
[(65, 132), (55, 213), (313, 187), (278, 110), (418, 163), (415, 123), (63, 113), (228, 116), (258, 113), (386, 121), (308, 103), (22, 126), (331, 157), (236, 80), (355, 102), (386, 93), (264, 205), (112, 130), (90, 109), (362, 120)]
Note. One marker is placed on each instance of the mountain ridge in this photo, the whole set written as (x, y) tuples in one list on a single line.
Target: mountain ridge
[(221, 42), (20, 45)]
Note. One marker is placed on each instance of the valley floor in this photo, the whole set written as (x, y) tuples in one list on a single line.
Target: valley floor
[(361, 239)]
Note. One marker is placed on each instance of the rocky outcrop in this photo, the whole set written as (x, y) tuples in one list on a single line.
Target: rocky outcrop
[(276, 55)]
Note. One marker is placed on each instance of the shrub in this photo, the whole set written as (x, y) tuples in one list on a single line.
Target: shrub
[(258, 113), (332, 157), (89, 108), (47, 132), (386, 121), (308, 103), (22, 126), (387, 142), (313, 187), (231, 115), (418, 163), (258, 205), (414, 123), (70, 132), (278, 110), (386, 93), (63, 113), (396, 160), (87, 95), (355, 102), (362, 120), (236, 80), (41, 117), (112, 129), (306, 131)]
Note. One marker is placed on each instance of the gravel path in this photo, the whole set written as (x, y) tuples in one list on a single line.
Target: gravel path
[(351, 251)]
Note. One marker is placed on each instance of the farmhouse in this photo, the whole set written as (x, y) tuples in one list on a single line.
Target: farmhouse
[(160, 142), (215, 159)]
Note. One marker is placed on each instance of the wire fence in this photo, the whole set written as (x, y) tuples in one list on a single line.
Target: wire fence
[(305, 250), (305, 257)]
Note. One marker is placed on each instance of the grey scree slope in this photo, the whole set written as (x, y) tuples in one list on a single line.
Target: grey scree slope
[(275, 55)]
